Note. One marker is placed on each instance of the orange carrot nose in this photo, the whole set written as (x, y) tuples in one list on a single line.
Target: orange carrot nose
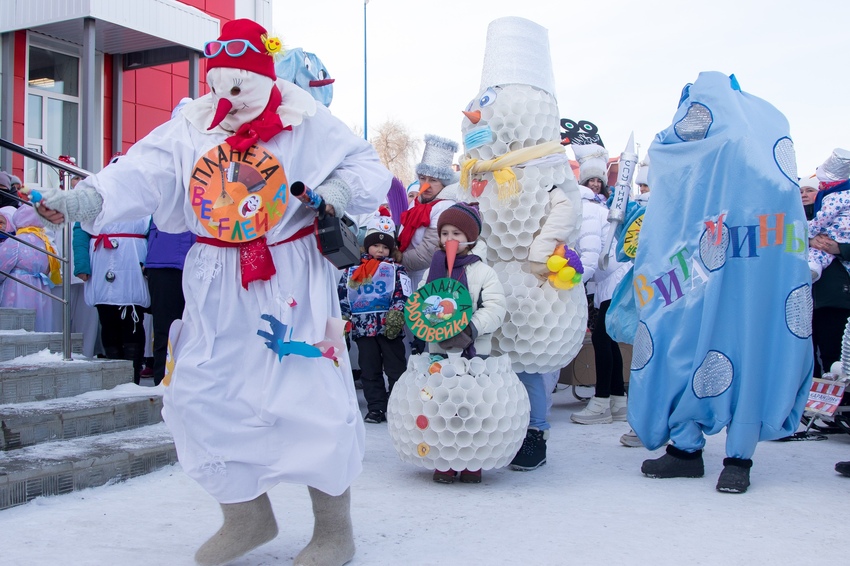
[(451, 253), (422, 188), (224, 106), (474, 117)]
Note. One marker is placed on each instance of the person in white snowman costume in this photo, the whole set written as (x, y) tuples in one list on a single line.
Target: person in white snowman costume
[(249, 409), (515, 167)]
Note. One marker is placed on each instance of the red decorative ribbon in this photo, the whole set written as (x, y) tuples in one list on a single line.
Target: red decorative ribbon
[(105, 239), (255, 257), (265, 126)]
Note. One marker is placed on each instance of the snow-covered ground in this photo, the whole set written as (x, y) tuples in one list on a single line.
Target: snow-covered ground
[(589, 505)]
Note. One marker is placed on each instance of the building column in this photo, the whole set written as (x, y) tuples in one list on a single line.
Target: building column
[(89, 130)]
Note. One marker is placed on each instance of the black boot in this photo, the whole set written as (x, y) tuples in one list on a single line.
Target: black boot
[(735, 477), (675, 464), (136, 354), (113, 353), (532, 453), (843, 468)]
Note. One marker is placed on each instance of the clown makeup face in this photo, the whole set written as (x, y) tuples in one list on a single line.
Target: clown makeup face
[(239, 96)]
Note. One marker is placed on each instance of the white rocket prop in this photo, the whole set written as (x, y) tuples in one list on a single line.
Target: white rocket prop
[(617, 212)]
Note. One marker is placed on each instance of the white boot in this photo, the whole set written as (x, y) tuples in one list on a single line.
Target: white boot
[(619, 407), (246, 526), (598, 411), (333, 537), (631, 439)]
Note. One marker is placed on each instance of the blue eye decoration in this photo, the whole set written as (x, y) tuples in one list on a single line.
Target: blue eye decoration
[(488, 98)]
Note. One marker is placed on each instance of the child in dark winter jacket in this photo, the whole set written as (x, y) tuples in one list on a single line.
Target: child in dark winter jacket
[(372, 297)]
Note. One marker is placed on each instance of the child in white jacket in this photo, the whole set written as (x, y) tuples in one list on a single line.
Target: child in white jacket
[(462, 222)]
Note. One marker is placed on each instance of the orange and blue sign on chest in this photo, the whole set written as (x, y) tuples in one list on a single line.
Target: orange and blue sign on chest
[(238, 196)]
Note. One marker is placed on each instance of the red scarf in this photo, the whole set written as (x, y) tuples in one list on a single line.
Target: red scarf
[(364, 273), (413, 218), (265, 126)]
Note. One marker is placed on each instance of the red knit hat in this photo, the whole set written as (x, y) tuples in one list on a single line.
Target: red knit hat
[(258, 60)]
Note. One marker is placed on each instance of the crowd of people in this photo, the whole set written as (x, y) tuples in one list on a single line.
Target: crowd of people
[(250, 407)]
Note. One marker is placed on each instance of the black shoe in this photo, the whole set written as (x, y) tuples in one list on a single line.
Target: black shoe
[(675, 464), (375, 417), (843, 468), (532, 453), (735, 477), (444, 477), (467, 476)]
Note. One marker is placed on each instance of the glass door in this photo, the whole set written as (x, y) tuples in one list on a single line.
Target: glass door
[(53, 111)]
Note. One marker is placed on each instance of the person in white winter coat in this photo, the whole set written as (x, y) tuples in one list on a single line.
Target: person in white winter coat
[(608, 403), (260, 391)]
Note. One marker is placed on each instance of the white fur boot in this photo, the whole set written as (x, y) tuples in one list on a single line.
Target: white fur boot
[(246, 526), (333, 538)]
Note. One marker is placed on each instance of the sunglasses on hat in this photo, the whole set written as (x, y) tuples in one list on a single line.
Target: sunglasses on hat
[(233, 47)]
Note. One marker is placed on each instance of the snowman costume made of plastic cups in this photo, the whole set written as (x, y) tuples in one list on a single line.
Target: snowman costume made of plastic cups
[(515, 167)]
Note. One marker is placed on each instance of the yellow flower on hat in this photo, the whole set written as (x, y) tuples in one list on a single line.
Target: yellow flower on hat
[(273, 44)]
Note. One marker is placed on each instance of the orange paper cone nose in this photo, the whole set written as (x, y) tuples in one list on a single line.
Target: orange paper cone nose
[(451, 253), (422, 188), (474, 117), (224, 106)]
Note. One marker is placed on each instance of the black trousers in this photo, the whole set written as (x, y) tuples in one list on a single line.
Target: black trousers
[(827, 333), (379, 355), (167, 303), (609, 360)]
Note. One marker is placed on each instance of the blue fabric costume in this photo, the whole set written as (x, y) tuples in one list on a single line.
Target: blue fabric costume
[(721, 281), (307, 71)]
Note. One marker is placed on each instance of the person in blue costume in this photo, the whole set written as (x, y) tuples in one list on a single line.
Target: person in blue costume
[(722, 286), (307, 71)]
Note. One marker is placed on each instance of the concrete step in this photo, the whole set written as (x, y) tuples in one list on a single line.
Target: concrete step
[(122, 408), (17, 319), (64, 466), (17, 343), (24, 381)]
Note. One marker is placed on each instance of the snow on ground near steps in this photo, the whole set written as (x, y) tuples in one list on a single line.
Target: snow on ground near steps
[(589, 505)]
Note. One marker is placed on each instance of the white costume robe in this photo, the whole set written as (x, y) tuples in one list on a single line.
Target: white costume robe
[(242, 419)]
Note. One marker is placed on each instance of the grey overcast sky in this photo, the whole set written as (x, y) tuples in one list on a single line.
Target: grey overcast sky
[(620, 64)]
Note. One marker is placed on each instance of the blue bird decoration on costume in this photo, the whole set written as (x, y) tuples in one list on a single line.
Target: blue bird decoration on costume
[(280, 344), (307, 71)]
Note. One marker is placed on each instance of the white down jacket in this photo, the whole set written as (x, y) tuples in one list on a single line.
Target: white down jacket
[(489, 305), (594, 216)]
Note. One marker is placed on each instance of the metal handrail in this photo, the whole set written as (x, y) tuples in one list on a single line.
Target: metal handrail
[(66, 171)]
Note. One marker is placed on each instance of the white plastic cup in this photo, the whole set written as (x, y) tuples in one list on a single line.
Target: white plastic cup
[(482, 411), (457, 396), (490, 396), (430, 409), (448, 451), (476, 367), (448, 410), (463, 439), (430, 437), (489, 424), (474, 396), (498, 410), (437, 423), (472, 425), (465, 410), (480, 439), (465, 454), (447, 437)]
